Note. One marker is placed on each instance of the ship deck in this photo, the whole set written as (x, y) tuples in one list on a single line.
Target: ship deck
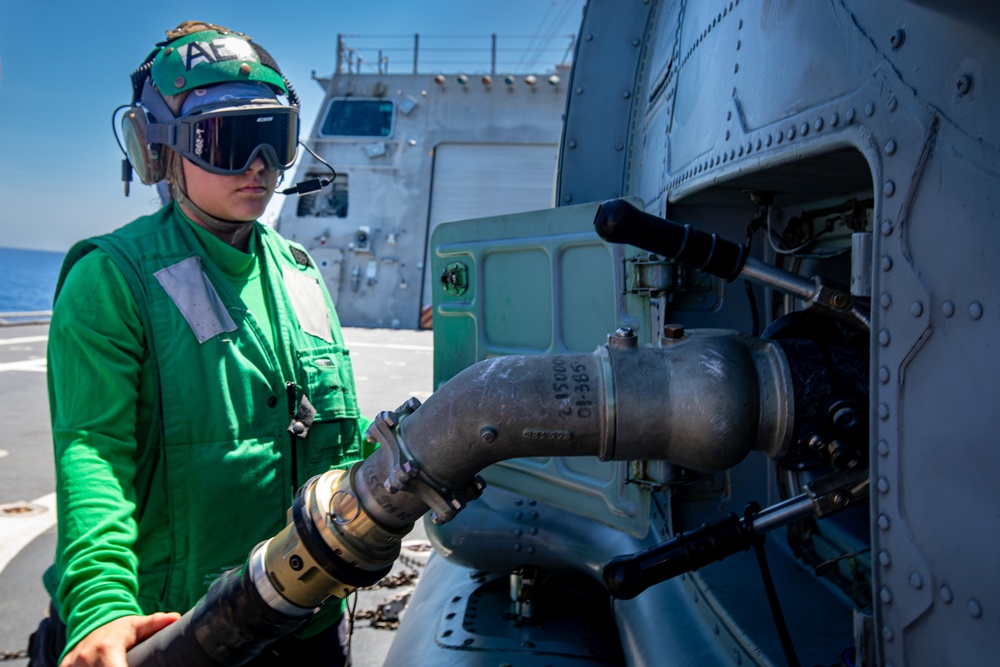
[(390, 366)]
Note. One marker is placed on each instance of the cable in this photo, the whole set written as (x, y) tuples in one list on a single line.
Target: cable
[(351, 607), (784, 636), (313, 184), (114, 127), (752, 228), (126, 163)]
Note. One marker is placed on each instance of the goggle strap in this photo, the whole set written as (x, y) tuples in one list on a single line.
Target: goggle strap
[(159, 133), (155, 103)]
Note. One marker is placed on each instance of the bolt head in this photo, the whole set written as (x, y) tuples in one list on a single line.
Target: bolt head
[(673, 331), (840, 300)]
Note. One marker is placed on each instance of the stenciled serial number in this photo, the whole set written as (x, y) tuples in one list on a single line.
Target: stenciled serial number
[(571, 388), (543, 434)]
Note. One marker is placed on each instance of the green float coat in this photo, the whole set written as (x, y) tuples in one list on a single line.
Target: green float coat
[(176, 363)]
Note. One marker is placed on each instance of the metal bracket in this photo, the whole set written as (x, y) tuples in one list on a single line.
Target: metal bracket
[(407, 474)]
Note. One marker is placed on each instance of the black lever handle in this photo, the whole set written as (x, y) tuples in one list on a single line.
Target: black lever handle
[(627, 576), (617, 221)]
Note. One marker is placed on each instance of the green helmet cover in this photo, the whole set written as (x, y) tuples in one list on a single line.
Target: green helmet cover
[(208, 57)]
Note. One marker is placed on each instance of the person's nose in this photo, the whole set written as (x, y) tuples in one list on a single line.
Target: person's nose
[(259, 165)]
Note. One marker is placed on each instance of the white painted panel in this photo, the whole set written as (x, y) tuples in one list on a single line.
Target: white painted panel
[(481, 180)]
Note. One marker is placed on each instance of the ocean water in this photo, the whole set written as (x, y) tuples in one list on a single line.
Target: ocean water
[(28, 279)]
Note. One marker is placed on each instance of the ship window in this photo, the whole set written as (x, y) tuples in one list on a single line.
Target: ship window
[(330, 202), (351, 117)]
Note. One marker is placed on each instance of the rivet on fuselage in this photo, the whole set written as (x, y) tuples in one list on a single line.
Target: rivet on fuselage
[(896, 39), (963, 85)]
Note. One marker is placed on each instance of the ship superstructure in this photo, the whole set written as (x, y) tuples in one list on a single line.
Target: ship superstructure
[(414, 149)]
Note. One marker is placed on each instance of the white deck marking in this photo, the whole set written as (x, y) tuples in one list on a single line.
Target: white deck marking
[(18, 531), (24, 339), (30, 365), (390, 346)]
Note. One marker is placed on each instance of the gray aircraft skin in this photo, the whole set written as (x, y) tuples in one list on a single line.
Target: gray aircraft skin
[(859, 140)]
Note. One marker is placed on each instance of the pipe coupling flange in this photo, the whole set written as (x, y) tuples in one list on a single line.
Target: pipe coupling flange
[(407, 474), (346, 526), (306, 565)]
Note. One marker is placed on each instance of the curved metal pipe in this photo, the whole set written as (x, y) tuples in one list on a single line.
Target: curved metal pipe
[(702, 402)]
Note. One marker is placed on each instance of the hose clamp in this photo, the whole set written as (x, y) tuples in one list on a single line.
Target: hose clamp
[(408, 475)]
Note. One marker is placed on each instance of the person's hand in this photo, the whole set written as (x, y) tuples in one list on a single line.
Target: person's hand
[(106, 646)]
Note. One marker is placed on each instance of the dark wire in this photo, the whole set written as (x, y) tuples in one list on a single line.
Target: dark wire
[(313, 153), (114, 127), (352, 607), (772, 594), (747, 286), (313, 184)]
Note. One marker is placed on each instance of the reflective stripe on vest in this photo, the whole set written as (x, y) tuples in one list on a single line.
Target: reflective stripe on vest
[(308, 302), (195, 296)]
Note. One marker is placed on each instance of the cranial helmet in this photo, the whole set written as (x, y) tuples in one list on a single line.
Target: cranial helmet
[(197, 54), (222, 137)]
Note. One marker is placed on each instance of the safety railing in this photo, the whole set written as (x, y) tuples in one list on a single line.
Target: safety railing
[(414, 54)]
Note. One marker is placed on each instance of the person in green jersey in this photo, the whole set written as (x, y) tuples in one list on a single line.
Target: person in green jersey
[(197, 371)]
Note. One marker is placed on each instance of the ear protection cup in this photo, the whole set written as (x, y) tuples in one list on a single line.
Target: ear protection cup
[(147, 160)]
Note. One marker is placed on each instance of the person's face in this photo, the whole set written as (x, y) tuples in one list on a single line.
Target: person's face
[(242, 197)]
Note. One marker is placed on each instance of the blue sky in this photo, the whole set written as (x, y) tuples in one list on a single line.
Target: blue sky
[(64, 67)]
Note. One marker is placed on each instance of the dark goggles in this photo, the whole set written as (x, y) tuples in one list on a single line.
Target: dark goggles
[(227, 140)]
